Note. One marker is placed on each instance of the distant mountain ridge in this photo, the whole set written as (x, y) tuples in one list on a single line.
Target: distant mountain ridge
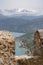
[(18, 12), (20, 22)]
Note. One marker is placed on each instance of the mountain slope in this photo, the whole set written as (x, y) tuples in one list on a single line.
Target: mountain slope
[(21, 24), (27, 41)]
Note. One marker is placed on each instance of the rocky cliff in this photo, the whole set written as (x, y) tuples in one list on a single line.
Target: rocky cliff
[(7, 47), (7, 52)]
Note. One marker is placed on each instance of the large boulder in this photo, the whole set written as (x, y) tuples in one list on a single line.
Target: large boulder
[(29, 60), (7, 47)]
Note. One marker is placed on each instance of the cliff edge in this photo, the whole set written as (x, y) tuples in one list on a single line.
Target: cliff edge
[(7, 52)]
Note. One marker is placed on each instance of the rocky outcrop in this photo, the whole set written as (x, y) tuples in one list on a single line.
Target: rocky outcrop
[(38, 42), (7, 47), (28, 60), (7, 52)]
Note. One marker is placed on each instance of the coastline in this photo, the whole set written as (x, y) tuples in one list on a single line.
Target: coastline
[(24, 47), (27, 51)]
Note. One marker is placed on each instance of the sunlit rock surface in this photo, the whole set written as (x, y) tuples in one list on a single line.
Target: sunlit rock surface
[(38, 42), (29, 60), (7, 52), (7, 47)]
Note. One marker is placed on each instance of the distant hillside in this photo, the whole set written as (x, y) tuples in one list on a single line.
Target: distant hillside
[(21, 24), (27, 41)]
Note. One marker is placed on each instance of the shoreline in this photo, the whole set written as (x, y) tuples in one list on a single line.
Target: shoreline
[(27, 51), (24, 47)]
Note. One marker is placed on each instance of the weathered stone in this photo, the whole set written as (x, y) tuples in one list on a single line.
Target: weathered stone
[(7, 52), (38, 42), (7, 48), (29, 60)]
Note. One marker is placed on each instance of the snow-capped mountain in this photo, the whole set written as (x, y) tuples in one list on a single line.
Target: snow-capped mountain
[(20, 12)]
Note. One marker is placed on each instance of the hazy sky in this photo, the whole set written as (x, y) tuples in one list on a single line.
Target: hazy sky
[(27, 4)]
